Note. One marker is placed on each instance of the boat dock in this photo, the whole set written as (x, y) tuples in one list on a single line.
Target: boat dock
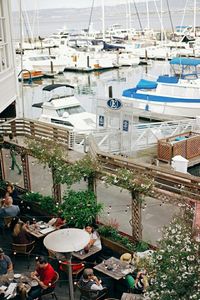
[(153, 116)]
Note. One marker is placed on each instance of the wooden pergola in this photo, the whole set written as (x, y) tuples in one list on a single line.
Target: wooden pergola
[(170, 186)]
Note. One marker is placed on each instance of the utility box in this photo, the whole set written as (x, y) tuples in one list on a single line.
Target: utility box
[(180, 164)]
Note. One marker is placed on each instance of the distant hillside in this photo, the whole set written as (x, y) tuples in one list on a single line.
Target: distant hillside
[(52, 19)]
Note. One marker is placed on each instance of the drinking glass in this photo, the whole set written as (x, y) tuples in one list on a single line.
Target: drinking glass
[(10, 276)]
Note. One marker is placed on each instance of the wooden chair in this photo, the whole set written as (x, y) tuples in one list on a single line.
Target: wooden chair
[(25, 249), (52, 293), (92, 295)]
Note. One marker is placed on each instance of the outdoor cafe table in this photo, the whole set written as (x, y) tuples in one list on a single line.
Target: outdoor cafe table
[(11, 282), (118, 269), (83, 255), (40, 229)]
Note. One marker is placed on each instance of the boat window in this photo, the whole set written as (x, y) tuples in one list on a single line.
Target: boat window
[(71, 110), (61, 122)]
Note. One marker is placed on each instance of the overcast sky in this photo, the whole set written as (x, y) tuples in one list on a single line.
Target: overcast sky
[(41, 4)]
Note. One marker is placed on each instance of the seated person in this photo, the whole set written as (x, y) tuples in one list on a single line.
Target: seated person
[(5, 263), (10, 210), (20, 232), (94, 238), (57, 222), (141, 282), (89, 281), (126, 257), (11, 191), (45, 276)]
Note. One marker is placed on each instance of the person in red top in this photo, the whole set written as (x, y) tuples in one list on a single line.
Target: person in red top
[(45, 276)]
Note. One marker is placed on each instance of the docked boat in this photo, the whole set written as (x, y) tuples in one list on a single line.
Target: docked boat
[(175, 94), (66, 110), (29, 76), (43, 62)]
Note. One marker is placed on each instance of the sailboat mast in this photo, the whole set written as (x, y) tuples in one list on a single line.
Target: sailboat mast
[(147, 8), (103, 19), (195, 15)]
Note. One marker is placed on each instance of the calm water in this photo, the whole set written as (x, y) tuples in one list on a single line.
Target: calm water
[(91, 87)]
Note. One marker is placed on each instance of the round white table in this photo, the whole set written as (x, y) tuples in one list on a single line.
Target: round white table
[(66, 241)]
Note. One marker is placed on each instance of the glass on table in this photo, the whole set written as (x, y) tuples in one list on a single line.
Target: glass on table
[(10, 276)]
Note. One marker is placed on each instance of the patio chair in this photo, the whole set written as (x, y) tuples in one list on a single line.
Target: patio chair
[(46, 295), (77, 268), (92, 295), (25, 249)]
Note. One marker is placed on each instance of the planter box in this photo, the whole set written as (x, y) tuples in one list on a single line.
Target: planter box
[(115, 247)]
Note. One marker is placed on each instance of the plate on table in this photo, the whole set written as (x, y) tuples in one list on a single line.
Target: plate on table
[(17, 276), (33, 283), (42, 226)]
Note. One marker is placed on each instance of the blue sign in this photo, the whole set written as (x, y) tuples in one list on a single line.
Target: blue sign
[(114, 103), (125, 125), (101, 121)]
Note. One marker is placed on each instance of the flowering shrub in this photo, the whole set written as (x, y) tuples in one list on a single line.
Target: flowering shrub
[(176, 264), (137, 184)]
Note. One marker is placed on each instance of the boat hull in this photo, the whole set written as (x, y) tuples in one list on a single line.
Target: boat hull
[(167, 108)]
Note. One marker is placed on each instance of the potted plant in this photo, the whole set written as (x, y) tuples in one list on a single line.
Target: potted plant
[(80, 208), (114, 240), (40, 205)]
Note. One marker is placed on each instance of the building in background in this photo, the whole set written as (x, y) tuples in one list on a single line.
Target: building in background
[(8, 78)]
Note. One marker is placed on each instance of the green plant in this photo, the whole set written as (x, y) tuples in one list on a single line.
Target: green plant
[(141, 246), (46, 203), (176, 263), (80, 208), (112, 233)]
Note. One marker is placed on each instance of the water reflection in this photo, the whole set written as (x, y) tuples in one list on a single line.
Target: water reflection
[(91, 86)]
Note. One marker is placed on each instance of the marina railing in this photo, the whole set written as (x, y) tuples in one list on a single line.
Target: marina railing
[(38, 130)]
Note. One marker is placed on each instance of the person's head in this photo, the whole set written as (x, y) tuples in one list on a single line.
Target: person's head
[(10, 188), (87, 274), (1, 253), (42, 262), (9, 201), (126, 257), (89, 228)]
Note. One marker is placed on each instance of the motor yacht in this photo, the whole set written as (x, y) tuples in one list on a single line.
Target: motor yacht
[(66, 110), (175, 94)]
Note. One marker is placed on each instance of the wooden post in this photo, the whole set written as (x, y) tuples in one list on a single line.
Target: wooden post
[(56, 188), (92, 184), (26, 172), (136, 217)]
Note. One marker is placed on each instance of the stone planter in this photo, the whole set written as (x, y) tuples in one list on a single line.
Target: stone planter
[(114, 246)]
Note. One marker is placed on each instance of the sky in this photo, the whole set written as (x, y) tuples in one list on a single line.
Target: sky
[(41, 4)]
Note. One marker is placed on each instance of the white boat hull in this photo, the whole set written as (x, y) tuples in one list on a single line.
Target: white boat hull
[(174, 109)]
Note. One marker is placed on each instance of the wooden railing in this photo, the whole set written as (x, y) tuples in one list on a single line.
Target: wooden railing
[(38, 130), (165, 179)]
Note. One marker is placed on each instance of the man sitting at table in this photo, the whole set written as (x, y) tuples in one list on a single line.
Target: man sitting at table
[(89, 281), (10, 210), (5, 263), (45, 276)]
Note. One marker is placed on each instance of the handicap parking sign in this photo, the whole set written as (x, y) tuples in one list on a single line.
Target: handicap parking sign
[(101, 121), (125, 125)]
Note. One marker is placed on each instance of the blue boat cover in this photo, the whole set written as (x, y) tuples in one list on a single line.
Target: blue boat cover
[(167, 79), (146, 84), (185, 61)]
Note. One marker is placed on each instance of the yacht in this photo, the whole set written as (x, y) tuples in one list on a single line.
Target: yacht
[(43, 62), (66, 110), (174, 94)]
